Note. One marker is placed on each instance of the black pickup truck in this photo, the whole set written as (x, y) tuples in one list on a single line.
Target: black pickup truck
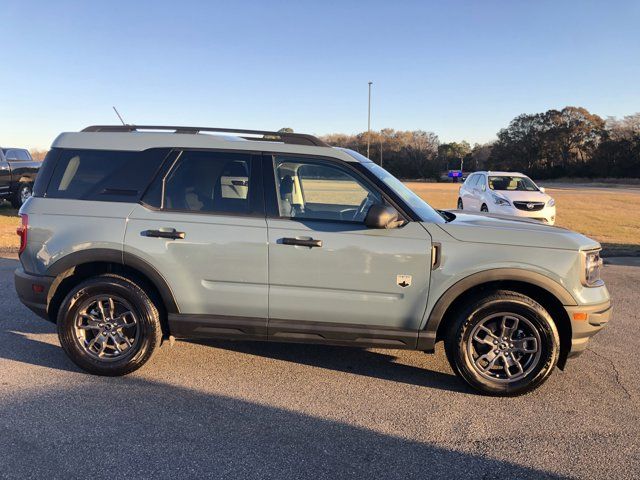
[(17, 173)]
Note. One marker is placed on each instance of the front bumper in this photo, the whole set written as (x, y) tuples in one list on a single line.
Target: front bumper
[(33, 291), (546, 215), (586, 321)]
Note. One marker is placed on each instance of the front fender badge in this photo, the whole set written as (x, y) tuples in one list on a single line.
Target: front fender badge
[(403, 281)]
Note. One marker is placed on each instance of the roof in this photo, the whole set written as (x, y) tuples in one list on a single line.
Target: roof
[(137, 138), (502, 174)]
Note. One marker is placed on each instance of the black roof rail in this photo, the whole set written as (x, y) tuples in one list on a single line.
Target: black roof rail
[(284, 137)]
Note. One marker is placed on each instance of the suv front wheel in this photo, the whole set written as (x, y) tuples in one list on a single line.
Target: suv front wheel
[(503, 343), (108, 325)]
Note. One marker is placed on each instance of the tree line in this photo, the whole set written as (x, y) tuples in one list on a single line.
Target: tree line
[(571, 142)]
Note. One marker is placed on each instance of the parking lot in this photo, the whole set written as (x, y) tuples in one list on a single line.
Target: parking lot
[(251, 410)]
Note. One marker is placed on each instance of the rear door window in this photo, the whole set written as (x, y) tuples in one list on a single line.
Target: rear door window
[(17, 155), (210, 182), (23, 155)]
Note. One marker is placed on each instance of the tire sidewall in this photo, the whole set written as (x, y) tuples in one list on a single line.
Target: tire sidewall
[(142, 307), (549, 344)]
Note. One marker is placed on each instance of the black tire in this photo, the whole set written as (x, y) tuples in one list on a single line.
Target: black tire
[(484, 208), (18, 198), (460, 204), (148, 333), (490, 307)]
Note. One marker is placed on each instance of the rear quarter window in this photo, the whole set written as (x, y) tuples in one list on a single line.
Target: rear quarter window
[(103, 175)]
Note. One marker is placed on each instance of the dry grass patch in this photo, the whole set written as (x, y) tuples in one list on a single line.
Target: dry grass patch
[(9, 221)]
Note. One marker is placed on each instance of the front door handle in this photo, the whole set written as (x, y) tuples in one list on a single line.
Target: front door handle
[(302, 243), (170, 233)]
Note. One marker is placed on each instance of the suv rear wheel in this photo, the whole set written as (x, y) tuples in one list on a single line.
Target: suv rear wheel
[(108, 325), (503, 343)]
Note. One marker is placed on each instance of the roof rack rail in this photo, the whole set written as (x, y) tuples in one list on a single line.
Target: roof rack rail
[(285, 137)]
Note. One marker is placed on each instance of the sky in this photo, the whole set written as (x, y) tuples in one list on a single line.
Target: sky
[(460, 69)]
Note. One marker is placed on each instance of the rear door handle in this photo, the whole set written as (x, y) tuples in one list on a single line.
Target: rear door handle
[(302, 243), (170, 233)]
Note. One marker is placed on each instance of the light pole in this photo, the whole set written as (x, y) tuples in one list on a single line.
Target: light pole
[(369, 122)]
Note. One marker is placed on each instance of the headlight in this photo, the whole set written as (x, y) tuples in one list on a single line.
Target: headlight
[(500, 201), (551, 202), (592, 265)]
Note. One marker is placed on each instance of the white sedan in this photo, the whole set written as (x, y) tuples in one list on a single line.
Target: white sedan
[(506, 193)]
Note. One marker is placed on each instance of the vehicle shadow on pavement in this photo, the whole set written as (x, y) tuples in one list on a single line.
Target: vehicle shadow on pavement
[(18, 324), (26, 350), (134, 428), (353, 360)]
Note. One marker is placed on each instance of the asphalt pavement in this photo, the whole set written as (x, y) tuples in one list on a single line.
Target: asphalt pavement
[(255, 410)]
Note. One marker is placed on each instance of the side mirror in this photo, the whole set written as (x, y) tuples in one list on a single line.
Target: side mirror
[(542, 189), (383, 216)]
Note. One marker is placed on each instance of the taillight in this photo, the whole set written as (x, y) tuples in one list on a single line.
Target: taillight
[(22, 231)]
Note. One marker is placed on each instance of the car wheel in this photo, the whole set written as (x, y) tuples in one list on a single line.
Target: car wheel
[(23, 193), (108, 325), (460, 205), (503, 343), (484, 208)]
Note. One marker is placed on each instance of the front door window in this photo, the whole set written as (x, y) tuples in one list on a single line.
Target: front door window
[(320, 190)]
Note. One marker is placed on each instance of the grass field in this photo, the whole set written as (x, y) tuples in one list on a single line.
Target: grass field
[(610, 215), (8, 223)]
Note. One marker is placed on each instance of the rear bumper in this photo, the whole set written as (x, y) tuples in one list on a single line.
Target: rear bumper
[(586, 321), (33, 291)]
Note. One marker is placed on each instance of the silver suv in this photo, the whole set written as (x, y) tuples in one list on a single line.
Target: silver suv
[(135, 234)]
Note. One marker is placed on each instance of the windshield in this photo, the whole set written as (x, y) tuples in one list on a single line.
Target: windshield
[(517, 184), (419, 206)]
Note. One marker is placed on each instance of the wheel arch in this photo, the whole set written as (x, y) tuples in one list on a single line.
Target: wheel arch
[(77, 266), (25, 179), (547, 292)]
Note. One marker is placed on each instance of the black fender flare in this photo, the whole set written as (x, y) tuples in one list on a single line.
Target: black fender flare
[(427, 336), (108, 255)]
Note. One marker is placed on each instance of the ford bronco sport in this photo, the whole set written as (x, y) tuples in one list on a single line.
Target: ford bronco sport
[(135, 234)]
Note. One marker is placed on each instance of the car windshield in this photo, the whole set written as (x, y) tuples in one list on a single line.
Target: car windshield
[(517, 184), (419, 206)]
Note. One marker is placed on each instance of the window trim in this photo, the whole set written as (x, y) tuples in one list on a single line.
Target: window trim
[(258, 211), (271, 197)]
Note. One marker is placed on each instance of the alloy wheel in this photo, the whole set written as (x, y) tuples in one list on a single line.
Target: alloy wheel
[(106, 328), (504, 347)]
